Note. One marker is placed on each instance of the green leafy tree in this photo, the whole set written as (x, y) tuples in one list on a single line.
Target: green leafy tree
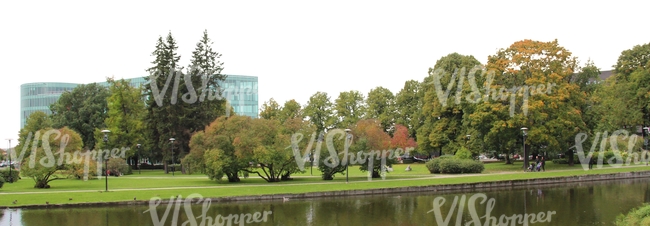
[(36, 122), (350, 108), (408, 105), (291, 110), (125, 113), (44, 164), (222, 146), (320, 111), (270, 109), (381, 106), (442, 112), (84, 109)]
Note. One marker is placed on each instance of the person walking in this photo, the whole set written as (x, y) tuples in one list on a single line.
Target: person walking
[(591, 162), (537, 166), (543, 164)]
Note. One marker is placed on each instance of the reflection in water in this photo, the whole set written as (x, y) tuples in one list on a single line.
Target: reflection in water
[(579, 204)]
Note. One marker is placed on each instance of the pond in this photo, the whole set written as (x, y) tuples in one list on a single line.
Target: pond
[(593, 203)]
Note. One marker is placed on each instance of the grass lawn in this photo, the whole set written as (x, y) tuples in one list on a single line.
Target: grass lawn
[(155, 183)]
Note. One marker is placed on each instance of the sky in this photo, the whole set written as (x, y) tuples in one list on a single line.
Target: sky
[(295, 48)]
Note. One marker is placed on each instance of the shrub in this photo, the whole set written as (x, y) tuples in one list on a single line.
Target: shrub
[(463, 153), (117, 166), (15, 175), (2, 182), (637, 216), (454, 166), (77, 170)]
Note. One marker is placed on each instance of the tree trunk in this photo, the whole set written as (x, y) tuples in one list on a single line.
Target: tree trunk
[(286, 176), (165, 165)]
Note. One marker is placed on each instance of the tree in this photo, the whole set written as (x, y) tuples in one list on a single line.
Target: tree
[(270, 109), (320, 112), (329, 164), (350, 108), (381, 106), (631, 90), (291, 110), (443, 114), (223, 147), (267, 147), (83, 110), (125, 113), (401, 138), (547, 101), (41, 165), (36, 122), (205, 73), (408, 105), (166, 116), (372, 137)]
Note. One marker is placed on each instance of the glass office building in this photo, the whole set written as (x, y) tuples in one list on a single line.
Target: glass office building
[(39, 96), (239, 90)]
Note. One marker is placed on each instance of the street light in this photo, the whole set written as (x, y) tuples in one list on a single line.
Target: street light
[(11, 179), (106, 132), (172, 142), (347, 145), (311, 155), (524, 129), (468, 136), (645, 141), (139, 160)]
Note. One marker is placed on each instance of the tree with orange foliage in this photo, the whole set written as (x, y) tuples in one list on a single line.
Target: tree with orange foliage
[(375, 142)]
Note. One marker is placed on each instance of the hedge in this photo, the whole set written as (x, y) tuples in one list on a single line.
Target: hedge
[(454, 166)]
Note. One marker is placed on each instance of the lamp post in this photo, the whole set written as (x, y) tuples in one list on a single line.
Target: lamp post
[(645, 141), (11, 179), (311, 155), (172, 142), (468, 136), (524, 131), (106, 132), (139, 160), (347, 145)]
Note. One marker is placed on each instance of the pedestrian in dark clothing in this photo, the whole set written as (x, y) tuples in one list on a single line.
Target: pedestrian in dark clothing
[(591, 162), (543, 164), (537, 163)]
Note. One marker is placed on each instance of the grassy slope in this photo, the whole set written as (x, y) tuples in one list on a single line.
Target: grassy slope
[(157, 184)]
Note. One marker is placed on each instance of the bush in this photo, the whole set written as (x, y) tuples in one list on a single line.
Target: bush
[(77, 170), (454, 166), (463, 153), (15, 175), (117, 166), (637, 216), (2, 182)]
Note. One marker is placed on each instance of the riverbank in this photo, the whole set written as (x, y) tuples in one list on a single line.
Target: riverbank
[(300, 189)]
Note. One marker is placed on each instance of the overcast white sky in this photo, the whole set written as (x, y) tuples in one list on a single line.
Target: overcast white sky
[(296, 48)]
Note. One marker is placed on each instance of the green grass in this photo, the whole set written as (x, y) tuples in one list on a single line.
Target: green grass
[(157, 184)]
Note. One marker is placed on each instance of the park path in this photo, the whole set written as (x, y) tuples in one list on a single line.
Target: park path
[(276, 184)]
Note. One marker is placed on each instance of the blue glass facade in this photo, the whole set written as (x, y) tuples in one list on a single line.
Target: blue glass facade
[(39, 96), (239, 90)]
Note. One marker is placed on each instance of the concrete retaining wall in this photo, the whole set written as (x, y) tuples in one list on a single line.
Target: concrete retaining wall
[(429, 188)]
